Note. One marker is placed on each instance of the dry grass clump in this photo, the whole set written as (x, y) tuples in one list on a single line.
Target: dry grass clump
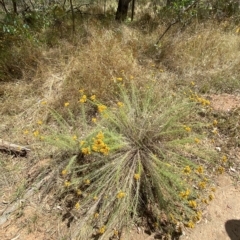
[(144, 156), (207, 55)]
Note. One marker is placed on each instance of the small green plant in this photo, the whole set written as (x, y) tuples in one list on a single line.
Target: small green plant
[(141, 158)]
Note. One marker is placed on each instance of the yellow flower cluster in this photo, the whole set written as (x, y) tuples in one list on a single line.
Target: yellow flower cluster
[(120, 104), (83, 99), (102, 230), (187, 170), (197, 140), (190, 224), (200, 169), (188, 129), (221, 170), (121, 194), (99, 145), (64, 172), (136, 176), (202, 185), (101, 108), (194, 97), (197, 217), (36, 133), (86, 150), (87, 182), (77, 205), (224, 159), (78, 192), (67, 183), (192, 203), (184, 194), (93, 97)]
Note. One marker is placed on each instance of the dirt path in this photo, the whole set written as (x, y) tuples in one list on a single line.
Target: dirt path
[(221, 220)]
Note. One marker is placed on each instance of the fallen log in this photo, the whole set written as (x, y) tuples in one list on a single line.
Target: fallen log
[(13, 149)]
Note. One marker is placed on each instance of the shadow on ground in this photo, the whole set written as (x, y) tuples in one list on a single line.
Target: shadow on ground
[(233, 229)]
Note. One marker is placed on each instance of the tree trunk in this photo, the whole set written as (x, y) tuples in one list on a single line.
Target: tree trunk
[(14, 3), (122, 10)]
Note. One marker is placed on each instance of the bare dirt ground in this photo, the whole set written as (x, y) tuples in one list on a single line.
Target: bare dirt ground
[(31, 216)]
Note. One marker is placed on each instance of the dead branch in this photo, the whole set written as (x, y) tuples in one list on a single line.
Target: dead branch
[(12, 148)]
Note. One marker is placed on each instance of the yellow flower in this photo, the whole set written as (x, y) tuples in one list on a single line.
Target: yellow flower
[(213, 189), (39, 122), (67, 183), (105, 150), (96, 215), (66, 104), (220, 170), (202, 185), (86, 151), (44, 102), (94, 120), (119, 79), (83, 99), (131, 77), (211, 197), (101, 108), (79, 192), (190, 224), (87, 182), (184, 194), (136, 176), (192, 204), (95, 198), (120, 104), (200, 169), (187, 170), (25, 132), (215, 122), (192, 83), (64, 172), (93, 97), (121, 195), (188, 129), (74, 137), (199, 215), (102, 230), (36, 133), (81, 90), (224, 159), (204, 200), (77, 205), (197, 140)]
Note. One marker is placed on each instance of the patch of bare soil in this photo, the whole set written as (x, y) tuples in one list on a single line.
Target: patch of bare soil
[(221, 219), (225, 102)]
